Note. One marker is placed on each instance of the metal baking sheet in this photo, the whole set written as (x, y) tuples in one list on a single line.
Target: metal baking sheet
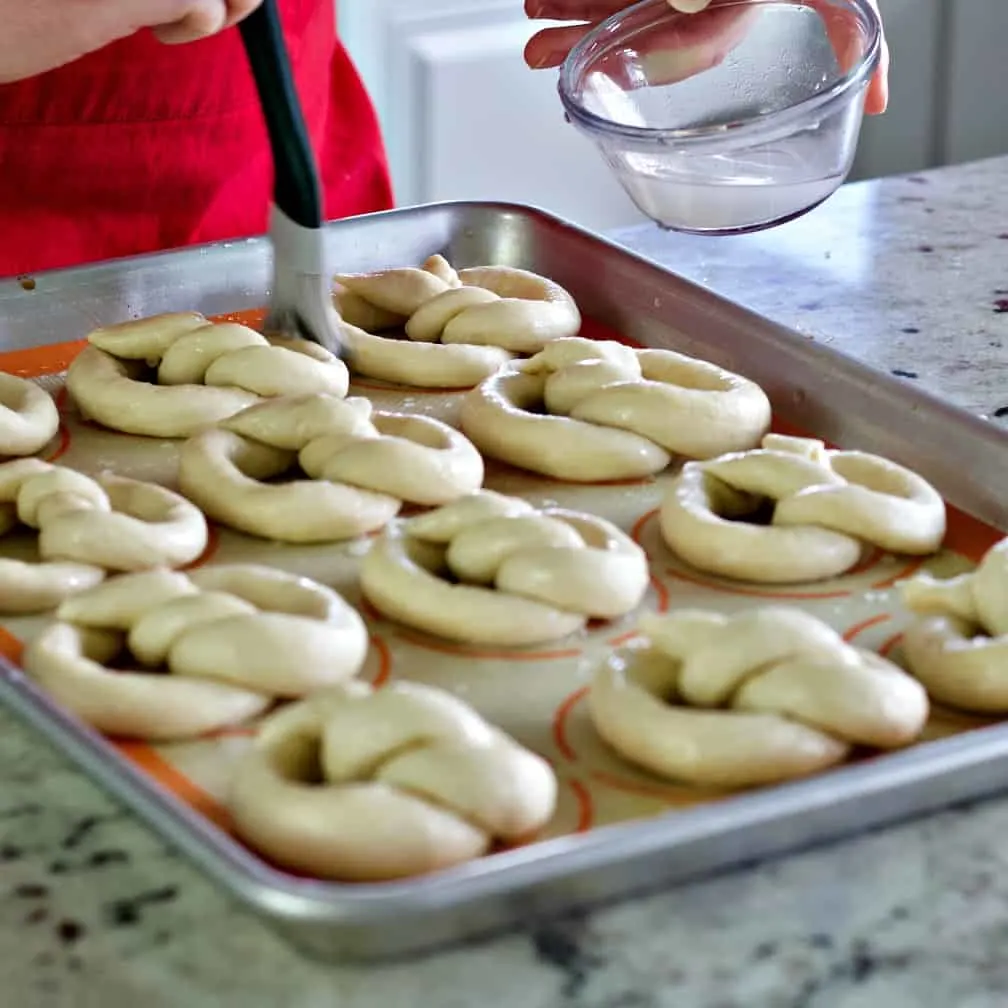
[(617, 830)]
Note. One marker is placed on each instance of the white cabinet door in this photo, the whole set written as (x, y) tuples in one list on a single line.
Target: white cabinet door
[(464, 118)]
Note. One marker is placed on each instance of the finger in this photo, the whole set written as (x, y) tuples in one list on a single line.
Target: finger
[(548, 48), (238, 10), (203, 18), (685, 42), (847, 45), (877, 100), (573, 10)]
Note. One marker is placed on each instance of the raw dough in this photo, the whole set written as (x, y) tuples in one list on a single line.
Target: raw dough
[(460, 326), (826, 506), (232, 639), (205, 373), (491, 569), (412, 781), (28, 416), (363, 465), (756, 698), (957, 644), (88, 526), (587, 411)]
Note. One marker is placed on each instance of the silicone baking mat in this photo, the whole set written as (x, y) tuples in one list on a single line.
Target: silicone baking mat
[(537, 695)]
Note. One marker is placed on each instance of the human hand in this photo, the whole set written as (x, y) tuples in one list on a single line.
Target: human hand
[(42, 34), (701, 42)]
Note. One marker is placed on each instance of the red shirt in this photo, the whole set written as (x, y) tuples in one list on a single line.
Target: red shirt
[(142, 147)]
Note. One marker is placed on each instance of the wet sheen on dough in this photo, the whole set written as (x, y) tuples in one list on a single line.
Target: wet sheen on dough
[(28, 416), (757, 698), (206, 372), (459, 327), (492, 569), (826, 506), (413, 780), (231, 640), (87, 526), (588, 411), (363, 465), (957, 642)]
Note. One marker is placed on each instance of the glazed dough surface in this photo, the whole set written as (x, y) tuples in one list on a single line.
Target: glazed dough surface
[(459, 326), (412, 780), (230, 639), (205, 372), (757, 698), (362, 464), (589, 411), (826, 507), (87, 526), (957, 643), (493, 569), (28, 416)]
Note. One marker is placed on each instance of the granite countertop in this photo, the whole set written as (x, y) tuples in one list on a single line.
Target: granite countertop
[(909, 274)]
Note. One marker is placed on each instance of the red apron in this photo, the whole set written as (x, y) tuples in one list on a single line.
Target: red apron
[(142, 147)]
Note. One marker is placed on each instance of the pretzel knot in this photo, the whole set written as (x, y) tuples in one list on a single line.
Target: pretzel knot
[(231, 638), (362, 785), (363, 465), (28, 416), (793, 511), (585, 411), (87, 527), (459, 326), (957, 645), (491, 569), (760, 697), (203, 373)]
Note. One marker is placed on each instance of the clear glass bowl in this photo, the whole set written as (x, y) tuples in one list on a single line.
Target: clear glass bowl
[(729, 120)]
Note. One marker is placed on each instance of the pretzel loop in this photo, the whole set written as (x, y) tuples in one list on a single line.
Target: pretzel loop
[(757, 698)]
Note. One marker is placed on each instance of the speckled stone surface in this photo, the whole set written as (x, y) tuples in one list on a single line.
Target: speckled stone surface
[(909, 274)]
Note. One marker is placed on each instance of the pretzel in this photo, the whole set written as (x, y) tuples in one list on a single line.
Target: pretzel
[(232, 639), (491, 569), (88, 526), (587, 411), (760, 697), (363, 466), (28, 416), (826, 505), (460, 326), (957, 645), (205, 372), (413, 780)]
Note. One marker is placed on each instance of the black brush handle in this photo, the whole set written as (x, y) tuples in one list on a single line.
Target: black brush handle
[(296, 189)]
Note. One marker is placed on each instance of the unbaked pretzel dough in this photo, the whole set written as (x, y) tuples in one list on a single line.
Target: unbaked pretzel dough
[(756, 698), (88, 526), (363, 466), (957, 644), (491, 569), (826, 506), (460, 326), (232, 639), (412, 781), (588, 410), (28, 416), (205, 373)]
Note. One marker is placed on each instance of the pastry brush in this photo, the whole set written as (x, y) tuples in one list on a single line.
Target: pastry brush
[(301, 302)]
